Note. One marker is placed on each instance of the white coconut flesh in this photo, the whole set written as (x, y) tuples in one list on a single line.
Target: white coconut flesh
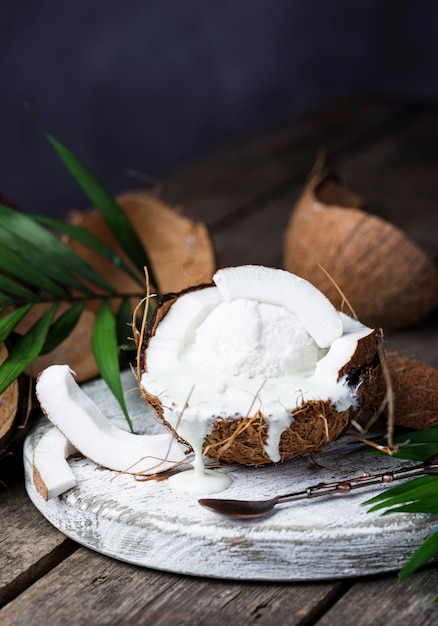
[(260, 339), (90, 432), (52, 473)]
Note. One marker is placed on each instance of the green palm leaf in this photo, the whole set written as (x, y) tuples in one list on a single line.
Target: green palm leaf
[(62, 327), (21, 233), (25, 351), (93, 243), (417, 452), (36, 266), (415, 446), (419, 506), (428, 435), (10, 321), (425, 553), (14, 264), (419, 495), (101, 198), (414, 490), (13, 288), (104, 343)]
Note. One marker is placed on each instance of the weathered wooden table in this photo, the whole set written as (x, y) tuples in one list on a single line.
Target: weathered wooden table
[(388, 152)]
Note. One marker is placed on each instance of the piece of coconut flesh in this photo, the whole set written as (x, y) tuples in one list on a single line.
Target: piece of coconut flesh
[(84, 428), (260, 339), (52, 474)]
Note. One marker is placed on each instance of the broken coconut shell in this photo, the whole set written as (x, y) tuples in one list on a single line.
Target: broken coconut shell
[(13, 409), (180, 249), (242, 438), (76, 348), (414, 386), (386, 278)]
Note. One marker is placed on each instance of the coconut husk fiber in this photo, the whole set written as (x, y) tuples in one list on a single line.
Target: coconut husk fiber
[(414, 386), (314, 424), (347, 253), (242, 440)]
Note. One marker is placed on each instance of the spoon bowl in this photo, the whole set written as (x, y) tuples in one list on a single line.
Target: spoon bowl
[(239, 509)]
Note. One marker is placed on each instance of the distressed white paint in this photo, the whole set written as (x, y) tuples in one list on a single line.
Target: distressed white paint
[(149, 524)]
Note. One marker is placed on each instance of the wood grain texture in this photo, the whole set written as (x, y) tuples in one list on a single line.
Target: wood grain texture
[(29, 545), (387, 602), (88, 588)]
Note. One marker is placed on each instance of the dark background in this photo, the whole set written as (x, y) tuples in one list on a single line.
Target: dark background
[(153, 86)]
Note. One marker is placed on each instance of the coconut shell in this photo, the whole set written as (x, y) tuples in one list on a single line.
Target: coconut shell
[(314, 423), (75, 349), (415, 391), (12, 409), (180, 250), (388, 280)]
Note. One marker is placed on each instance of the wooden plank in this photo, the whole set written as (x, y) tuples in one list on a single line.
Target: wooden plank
[(200, 601), (88, 588), (387, 602), (237, 176), (29, 545)]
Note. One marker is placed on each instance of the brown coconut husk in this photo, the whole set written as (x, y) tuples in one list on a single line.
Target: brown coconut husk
[(314, 423), (13, 409), (242, 440), (414, 387), (180, 250), (74, 350), (341, 249)]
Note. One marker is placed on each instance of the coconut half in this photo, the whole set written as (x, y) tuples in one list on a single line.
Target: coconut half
[(257, 367), (388, 280)]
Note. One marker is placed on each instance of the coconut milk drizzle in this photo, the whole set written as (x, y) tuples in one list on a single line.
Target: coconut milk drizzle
[(276, 427), (191, 410), (199, 480)]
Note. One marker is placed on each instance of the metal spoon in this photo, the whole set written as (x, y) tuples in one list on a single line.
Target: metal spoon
[(246, 509)]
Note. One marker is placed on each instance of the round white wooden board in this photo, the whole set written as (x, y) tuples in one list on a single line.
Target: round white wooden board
[(151, 525)]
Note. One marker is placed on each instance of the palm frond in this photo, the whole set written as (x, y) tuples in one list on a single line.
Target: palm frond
[(101, 198), (92, 242), (9, 321), (25, 351), (62, 327), (20, 233), (37, 267), (105, 344), (418, 495)]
